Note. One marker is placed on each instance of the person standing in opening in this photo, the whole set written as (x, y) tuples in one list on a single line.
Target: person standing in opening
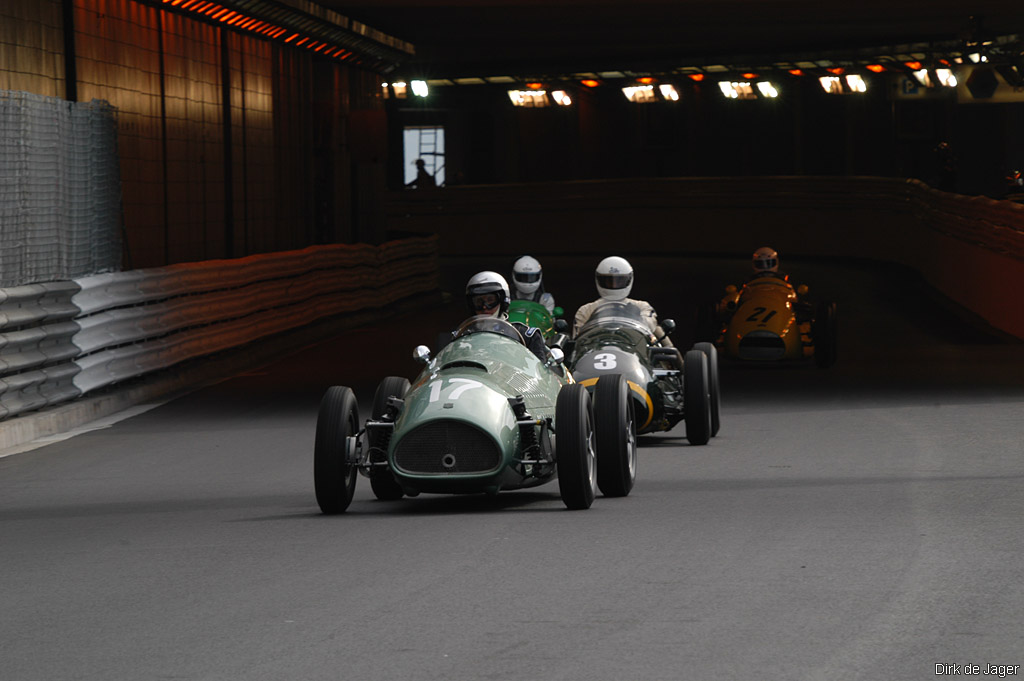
[(614, 280), (528, 280), (487, 294), (424, 180), (945, 167)]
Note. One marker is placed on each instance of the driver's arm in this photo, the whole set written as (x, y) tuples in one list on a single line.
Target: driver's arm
[(652, 321), (582, 315)]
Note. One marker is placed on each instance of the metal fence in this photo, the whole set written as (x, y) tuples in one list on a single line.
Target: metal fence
[(60, 190)]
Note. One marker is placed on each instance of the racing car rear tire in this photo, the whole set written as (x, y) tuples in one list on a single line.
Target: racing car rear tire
[(696, 397), (382, 481), (615, 432), (823, 333), (576, 458), (334, 478), (716, 394)]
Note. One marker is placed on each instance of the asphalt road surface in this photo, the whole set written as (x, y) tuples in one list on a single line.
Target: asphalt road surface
[(860, 522)]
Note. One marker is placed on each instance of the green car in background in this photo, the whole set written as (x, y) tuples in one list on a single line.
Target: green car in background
[(536, 315), (484, 415)]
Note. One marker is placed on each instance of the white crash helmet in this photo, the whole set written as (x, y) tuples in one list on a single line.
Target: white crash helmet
[(614, 278), (766, 260), (487, 294), (526, 273)]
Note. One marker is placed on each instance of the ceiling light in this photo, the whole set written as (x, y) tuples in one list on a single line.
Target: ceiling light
[(737, 90), (639, 93), (831, 84), (561, 97), (855, 82), (528, 98), (946, 77)]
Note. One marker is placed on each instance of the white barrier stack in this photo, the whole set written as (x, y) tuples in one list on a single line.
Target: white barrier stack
[(61, 340), (36, 350)]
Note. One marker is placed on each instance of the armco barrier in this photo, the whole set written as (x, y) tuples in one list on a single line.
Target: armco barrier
[(36, 352), (971, 249), (61, 340)]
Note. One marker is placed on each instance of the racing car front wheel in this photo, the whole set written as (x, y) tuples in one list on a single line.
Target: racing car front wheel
[(615, 431), (574, 447), (696, 397), (334, 477), (382, 481), (716, 395)]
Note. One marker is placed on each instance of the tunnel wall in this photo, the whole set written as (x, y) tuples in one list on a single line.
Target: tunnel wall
[(971, 249), (229, 144)]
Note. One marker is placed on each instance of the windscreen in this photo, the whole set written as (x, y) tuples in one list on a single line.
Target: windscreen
[(487, 324), (614, 314)]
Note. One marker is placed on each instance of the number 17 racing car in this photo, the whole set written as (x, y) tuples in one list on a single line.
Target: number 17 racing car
[(484, 415), (665, 386)]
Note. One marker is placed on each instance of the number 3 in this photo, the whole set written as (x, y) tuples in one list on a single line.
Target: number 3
[(604, 361)]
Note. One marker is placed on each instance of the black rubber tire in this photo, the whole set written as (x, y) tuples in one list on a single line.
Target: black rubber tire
[(716, 391), (615, 432), (823, 333), (574, 447), (334, 478), (696, 397), (382, 481)]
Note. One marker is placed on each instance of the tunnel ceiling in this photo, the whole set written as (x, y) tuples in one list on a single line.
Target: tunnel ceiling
[(463, 38)]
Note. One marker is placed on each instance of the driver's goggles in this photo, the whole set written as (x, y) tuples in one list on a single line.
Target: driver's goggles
[(614, 281), (485, 301), (526, 277)]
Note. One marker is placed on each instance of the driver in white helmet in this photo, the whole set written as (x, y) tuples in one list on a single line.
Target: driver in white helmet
[(487, 294), (528, 283), (765, 263), (614, 280)]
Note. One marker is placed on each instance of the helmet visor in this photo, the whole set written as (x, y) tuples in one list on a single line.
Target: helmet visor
[(526, 277), (765, 263), (485, 303), (614, 282)]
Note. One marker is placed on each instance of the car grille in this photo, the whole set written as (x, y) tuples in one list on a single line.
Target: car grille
[(447, 448), (762, 345)]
